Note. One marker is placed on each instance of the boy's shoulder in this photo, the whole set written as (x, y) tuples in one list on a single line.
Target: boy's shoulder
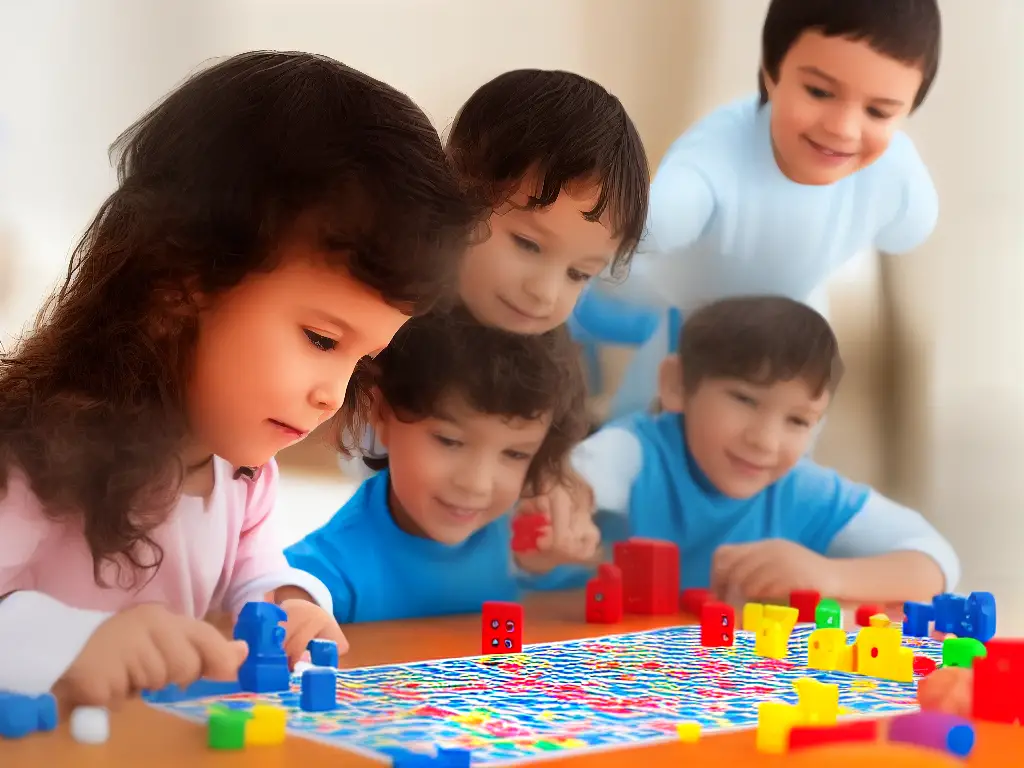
[(815, 485), (717, 135)]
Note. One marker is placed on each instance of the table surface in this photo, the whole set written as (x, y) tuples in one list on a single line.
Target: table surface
[(144, 736)]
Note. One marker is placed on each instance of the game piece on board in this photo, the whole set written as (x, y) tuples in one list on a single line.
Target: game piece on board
[(443, 758), (225, 728), (879, 620), (937, 730), (865, 612), (502, 628), (265, 669), (650, 575), (825, 649), (817, 702), (604, 595), (323, 653), (999, 681), (452, 758), (806, 602), (772, 640), (526, 530), (200, 689), (804, 736), (267, 725), (917, 619), (879, 652), (924, 666), (774, 719), (949, 613), (961, 651), (691, 600), (21, 714), (90, 725), (828, 614), (689, 732), (717, 625), (318, 690), (979, 617), (753, 614)]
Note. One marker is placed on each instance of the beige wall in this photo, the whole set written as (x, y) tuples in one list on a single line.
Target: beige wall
[(936, 417)]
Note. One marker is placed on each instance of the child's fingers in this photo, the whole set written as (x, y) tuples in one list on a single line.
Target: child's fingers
[(184, 664), (332, 631), (220, 657)]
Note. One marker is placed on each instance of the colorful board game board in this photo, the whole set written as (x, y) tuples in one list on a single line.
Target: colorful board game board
[(597, 693)]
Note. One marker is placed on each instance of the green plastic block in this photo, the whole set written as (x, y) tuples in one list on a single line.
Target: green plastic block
[(961, 651), (226, 728), (828, 615)]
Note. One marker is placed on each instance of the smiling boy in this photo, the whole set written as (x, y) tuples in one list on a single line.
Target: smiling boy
[(772, 193)]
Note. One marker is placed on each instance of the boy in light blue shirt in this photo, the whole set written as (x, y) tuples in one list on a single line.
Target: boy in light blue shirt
[(721, 472), (772, 193)]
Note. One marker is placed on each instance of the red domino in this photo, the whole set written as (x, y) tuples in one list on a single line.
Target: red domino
[(865, 612), (806, 601), (692, 600), (502, 628), (924, 666), (802, 736), (717, 625), (650, 576), (604, 595), (526, 530)]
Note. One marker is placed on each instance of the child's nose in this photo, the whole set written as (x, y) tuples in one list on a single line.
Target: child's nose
[(543, 288)]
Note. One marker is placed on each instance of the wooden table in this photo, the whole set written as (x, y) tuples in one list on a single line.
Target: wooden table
[(147, 738)]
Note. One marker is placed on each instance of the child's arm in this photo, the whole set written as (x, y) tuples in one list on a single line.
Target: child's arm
[(318, 556), (608, 463), (918, 205)]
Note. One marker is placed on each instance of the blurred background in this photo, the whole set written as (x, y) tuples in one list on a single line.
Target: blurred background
[(932, 409)]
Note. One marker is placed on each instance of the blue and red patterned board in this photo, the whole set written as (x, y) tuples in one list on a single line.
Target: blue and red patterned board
[(579, 695)]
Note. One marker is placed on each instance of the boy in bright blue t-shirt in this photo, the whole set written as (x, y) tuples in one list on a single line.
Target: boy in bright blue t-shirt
[(470, 416), (721, 471)]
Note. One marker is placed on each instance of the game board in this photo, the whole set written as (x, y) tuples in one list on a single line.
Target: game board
[(596, 693)]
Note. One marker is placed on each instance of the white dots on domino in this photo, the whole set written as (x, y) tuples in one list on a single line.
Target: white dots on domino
[(90, 725)]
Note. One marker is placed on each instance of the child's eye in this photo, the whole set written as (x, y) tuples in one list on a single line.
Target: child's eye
[(877, 113), (797, 421), (739, 397), (518, 455), (578, 277), (817, 93), (447, 442), (319, 341), (526, 244)]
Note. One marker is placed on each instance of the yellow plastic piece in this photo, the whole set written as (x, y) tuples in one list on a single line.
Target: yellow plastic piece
[(825, 648), (774, 719), (879, 620), (784, 614), (772, 639), (818, 703), (267, 725), (752, 615), (689, 731), (880, 653)]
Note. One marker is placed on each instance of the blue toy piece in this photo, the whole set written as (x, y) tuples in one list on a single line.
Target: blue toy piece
[(445, 758), (21, 715), (200, 689), (323, 653), (318, 690), (980, 617), (265, 669), (917, 617), (949, 613)]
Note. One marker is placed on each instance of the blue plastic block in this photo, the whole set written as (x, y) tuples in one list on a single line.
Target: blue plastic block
[(949, 613), (21, 715), (916, 619), (323, 653), (265, 669), (980, 617), (318, 690), (445, 758), (453, 758), (200, 689), (46, 712)]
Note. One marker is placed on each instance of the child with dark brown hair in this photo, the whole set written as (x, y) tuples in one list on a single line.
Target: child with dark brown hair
[(470, 415), (722, 470), (278, 217)]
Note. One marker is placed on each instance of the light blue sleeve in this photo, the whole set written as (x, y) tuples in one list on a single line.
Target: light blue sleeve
[(815, 503), (918, 212), (319, 555), (682, 203)]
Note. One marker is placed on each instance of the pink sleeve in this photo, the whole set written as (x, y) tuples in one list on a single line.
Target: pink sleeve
[(260, 565), (25, 529)]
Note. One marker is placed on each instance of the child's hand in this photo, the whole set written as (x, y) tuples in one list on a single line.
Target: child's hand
[(147, 647), (770, 569), (949, 690), (308, 621), (570, 537)]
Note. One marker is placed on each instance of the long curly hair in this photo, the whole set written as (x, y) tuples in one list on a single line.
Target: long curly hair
[(210, 181)]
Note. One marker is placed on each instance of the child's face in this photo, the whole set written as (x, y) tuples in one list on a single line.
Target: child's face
[(746, 436), (835, 106), (452, 476), (527, 275), (274, 356)]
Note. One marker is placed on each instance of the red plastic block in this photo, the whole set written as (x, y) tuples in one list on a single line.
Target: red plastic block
[(803, 736), (924, 666), (998, 682), (502, 627), (717, 625), (865, 612), (806, 601), (650, 576), (692, 600), (526, 530), (604, 595)]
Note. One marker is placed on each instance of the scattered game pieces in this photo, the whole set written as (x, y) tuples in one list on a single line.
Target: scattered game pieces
[(879, 652), (961, 651), (689, 732), (21, 714), (979, 620), (526, 530), (924, 666), (323, 653), (692, 600), (502, 625), (828, 615), (753, 613), (265, 669), (772, 639), (827, 650), (865, 612), (998, 680), (650, 576), (226, 727), (806, 602), (817, 705), (267, 726), (717, 625), (917, 619), (774, 721), (949, 612), (318, 690), (604, 595), (804, 736), (948, 733), (90, 725)]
